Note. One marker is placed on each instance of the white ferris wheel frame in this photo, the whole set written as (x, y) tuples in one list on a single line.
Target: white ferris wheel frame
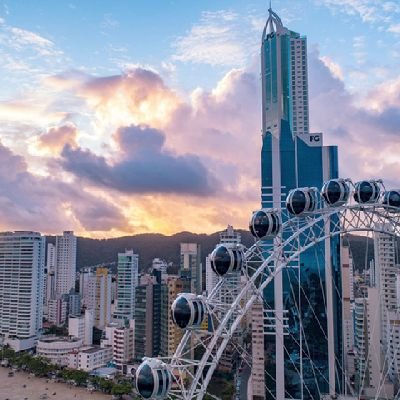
[(301, 233)]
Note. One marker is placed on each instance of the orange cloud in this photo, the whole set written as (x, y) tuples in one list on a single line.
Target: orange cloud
[(56, 138)]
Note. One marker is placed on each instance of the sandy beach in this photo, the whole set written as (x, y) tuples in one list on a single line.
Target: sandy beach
[(12, 388)]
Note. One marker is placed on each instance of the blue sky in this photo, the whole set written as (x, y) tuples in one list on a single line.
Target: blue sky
[(104, 37), (144, 116)]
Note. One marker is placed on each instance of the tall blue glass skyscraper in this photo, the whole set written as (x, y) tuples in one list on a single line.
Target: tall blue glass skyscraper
[(302, 345)]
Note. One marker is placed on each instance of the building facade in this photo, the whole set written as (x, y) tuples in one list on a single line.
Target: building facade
[(171, 334), (57, 349), (87, 287), (65, 263), (191, 268), (121, 337), (89, 358), (81, 326), (21, 288), (293, 157), (102, 298), (127, 281), (50, 274), (144, 317), (257, 378), (57, 311)]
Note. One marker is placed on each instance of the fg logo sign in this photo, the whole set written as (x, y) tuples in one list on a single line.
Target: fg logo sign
[(315, 138), (312, 139)]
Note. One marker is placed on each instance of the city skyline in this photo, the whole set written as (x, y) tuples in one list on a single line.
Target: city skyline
[(88, 147)]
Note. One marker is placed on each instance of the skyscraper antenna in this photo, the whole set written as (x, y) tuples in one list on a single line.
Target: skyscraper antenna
[(270, 4)]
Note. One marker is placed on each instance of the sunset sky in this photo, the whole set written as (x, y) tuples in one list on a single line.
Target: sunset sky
[(125, 117)]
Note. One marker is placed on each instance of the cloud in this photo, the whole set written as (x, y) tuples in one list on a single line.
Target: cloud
[(366, 132), (371, 11), (21, 40), (55, 138), (138, 96), (395, 28), (143, 166), (217, 39), (24, 37), (109, 22), (149, 157), (334, 67), (32, 202)]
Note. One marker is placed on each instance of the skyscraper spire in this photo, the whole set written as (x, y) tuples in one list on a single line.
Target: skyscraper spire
[(274, 23)]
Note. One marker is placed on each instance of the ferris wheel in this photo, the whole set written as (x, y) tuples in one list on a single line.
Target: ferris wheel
[(311, 217)]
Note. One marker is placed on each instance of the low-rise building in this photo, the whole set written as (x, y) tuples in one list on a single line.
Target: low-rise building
[(56, 349), (90, 357)]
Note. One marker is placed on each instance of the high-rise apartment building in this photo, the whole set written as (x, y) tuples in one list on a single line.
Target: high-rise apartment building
[(159, 265), (21, 288), (50, 273), (102, 298), (65, 263), (367, 335), (144, 317), (293, 157), (385, 269), (57, 311), (191, 268), (157, 291), (121, 336), (171, 334), (87, 287), (127, 281), (371, 368), (348, 311), (257, 378), (95, 288)]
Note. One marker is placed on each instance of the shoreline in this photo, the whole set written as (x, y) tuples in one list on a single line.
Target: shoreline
[(11, 388)]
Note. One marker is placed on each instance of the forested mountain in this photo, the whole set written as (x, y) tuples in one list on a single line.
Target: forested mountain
[(152, 245)]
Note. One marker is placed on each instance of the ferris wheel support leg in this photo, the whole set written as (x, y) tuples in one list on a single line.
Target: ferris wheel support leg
[(329, 311), (279, 336)]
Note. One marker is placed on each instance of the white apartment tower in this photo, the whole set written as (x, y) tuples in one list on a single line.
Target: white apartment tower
[(95, 288), (21, 288), (102, 310), (65, 263), (256, 387), (298, 50), (386, 271), (50, 278), (87, 287), (347, 309), (127, 280), (370, 371)]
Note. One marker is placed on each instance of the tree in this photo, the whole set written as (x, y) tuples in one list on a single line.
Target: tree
[(104, 385), (78, 376), (121, 388), (7, 353), (39, 366)]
